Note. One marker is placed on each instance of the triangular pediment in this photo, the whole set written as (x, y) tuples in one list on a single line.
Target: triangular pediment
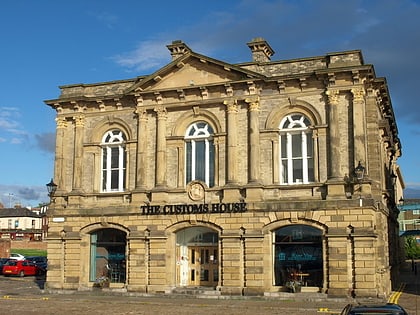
[(193, 70)]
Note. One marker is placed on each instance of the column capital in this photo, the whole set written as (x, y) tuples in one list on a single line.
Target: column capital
[(61, 122), (141, 113), (358, 95), (161, 112), (79, 120), (231, 106), (253, 103), (332, 95)]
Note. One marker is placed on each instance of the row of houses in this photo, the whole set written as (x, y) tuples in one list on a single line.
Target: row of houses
[(19, 223)]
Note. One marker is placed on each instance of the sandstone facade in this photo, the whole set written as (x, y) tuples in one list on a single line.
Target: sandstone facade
[(237, 177)]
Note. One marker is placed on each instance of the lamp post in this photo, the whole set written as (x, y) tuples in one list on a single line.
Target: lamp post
[(359, 173)]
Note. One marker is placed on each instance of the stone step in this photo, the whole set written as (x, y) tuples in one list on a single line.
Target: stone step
[(195, 291)]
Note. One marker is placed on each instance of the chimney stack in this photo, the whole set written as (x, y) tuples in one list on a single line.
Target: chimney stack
[(261, 50), (178, 49)]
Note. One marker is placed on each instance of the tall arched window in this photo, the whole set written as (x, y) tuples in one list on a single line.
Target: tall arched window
[(113, 161), (296, 150), (199, 147)]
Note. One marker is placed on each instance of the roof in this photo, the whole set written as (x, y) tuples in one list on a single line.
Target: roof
[(18, 212)]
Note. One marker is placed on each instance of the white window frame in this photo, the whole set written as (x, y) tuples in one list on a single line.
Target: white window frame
[(292, 125), (113, 139), (193, 135)]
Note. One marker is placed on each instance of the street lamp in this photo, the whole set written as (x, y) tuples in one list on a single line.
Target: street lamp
[(51, 187)]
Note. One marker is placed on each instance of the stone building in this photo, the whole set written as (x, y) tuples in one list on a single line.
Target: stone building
[(246, 179)]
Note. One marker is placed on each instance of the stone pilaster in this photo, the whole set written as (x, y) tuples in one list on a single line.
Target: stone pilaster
[(59, 149), (334, 133), (339, 263), (254, 141), (78, 153), (359, 125), (161, 146), (157, 265), (232, 271), (232, 141), (138, 263), (141, 148), (253, 265)]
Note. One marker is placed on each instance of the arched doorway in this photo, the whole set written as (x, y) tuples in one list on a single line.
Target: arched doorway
[(197, 253), (107, 255), (298, 259)]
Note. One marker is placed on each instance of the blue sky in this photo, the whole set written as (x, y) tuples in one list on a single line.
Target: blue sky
[(48, 43)]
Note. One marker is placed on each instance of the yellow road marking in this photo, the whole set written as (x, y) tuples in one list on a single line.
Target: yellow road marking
[(327, 310), (396, 295)]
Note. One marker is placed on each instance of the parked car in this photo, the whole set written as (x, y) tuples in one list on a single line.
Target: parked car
[(20, 268), (16, 256), (40, 261), (2, 262), (384, 309)]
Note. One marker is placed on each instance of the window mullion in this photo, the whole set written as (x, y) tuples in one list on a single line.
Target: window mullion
[(108, 168), (206, 161), (304, 157), (120, 167), (193, 159), (289, 159)]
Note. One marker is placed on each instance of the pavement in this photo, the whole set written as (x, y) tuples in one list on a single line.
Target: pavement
[(27, 295)]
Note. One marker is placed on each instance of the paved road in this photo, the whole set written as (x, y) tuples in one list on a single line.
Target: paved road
[(25, 296)]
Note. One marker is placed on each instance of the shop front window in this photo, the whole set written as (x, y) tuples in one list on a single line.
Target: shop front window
[(298, 256), (107, 255)]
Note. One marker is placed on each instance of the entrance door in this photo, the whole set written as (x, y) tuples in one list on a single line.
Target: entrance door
[(203, 265)]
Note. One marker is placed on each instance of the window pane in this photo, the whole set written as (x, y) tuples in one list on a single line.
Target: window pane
[(114, 179), (297, 145), (211, 164), (311, 176), (104, 157), (297, 171), (114, 157), (283, 140), (188, 162), (309, 145), (284, 171), (200, 161), (104, 172)]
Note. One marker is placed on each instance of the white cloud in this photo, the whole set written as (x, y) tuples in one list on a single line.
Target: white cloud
[(148, 55)]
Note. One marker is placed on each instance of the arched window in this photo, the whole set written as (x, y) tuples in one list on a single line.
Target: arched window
[(298, 257), (199, 149), (113, 161), (107, 255), (296, 150)]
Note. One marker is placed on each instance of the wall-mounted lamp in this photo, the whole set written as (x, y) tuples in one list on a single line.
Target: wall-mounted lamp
[(51, 187), (393, 179), (359, 172), (356, 178)]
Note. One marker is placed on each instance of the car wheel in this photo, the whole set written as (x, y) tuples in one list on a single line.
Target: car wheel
[(22, 273)]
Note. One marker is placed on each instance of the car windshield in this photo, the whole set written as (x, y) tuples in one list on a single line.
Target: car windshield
[(11, 263)]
